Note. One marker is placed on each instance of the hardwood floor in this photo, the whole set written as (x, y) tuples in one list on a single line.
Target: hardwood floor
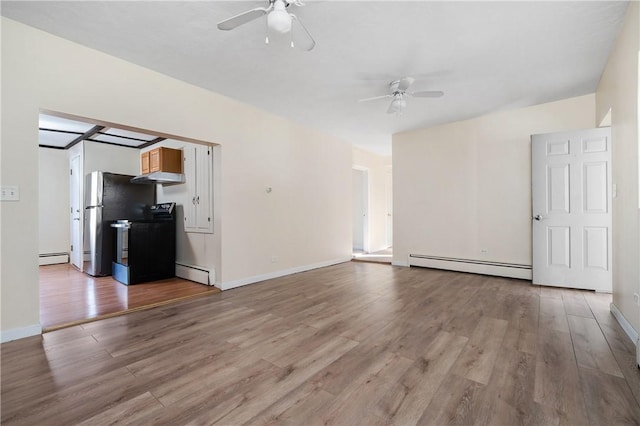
[(355, 343), (68, 296)]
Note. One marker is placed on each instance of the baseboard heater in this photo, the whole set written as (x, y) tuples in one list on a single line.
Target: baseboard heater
[(199, 274), (511, 270), (53, 258)]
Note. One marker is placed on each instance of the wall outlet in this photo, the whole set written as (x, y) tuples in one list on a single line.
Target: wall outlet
[(636, 297), (10, 193), (274, 259), (484, 251)]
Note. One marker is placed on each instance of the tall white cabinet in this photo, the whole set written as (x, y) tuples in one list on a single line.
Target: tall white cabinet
[(198, 170)]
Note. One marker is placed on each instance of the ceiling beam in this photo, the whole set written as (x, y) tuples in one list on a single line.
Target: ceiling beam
[(152, 142), (85, 135)]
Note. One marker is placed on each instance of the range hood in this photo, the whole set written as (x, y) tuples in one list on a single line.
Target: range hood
[(160, 177)]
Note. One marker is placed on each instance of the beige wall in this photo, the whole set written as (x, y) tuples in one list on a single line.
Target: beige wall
[(465, 187), (618, 91), (378, 168), (304, 222), (110, 158), (53, 201)]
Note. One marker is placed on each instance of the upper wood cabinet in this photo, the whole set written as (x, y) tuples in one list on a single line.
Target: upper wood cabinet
[(161, 160)]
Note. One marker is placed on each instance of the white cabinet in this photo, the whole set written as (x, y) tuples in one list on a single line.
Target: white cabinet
[(198, 170)]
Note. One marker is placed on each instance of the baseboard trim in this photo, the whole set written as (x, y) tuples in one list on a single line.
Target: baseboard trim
[(53, 258), (20, 333), (276, 274), (199, 274), (404, 264), (500, 269), (626, 325)]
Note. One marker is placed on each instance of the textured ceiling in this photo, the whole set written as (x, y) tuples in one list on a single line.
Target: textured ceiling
[(485, 56)]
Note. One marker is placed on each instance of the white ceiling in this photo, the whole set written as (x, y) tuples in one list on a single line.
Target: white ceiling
[(485, 56)]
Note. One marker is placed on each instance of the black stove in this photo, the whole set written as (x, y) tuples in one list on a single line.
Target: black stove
[(146, 248)]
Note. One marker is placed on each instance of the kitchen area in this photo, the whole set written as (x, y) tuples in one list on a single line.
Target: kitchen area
[(137, 229)]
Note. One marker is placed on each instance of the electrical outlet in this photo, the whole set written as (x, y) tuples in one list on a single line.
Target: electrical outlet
[(484, 251), (274, 259), (10, 193), (636, 297)]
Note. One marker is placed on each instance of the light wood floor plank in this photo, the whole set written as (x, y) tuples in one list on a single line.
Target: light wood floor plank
[(575, 303), (479, 356), (591, 347), (407, 400), (552, 314), (457, 402), (556, 378), (608, 399)]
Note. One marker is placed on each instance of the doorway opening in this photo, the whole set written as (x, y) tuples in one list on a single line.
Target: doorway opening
[(360, 203), (69, 148)]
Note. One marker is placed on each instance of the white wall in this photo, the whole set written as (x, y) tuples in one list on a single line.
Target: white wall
[(378, 168), (53, 201), (618, 91), (304, 222), (464, 187), (110, 158)]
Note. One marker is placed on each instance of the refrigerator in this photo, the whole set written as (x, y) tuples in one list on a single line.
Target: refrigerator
[(110, 197)]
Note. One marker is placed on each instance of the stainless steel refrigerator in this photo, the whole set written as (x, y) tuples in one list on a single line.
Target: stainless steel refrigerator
[(110, 197)]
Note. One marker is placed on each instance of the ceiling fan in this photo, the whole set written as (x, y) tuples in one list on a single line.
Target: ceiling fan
[(278, 20), (398, 91)]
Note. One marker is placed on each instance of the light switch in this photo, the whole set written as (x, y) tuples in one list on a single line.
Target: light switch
[(10, 193)]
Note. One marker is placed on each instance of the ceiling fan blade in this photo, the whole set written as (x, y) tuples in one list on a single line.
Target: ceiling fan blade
[(304, 41), (375, 98), (404, 83), (243, 18), (427, 94)]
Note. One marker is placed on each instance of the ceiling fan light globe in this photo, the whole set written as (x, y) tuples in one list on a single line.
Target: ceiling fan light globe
[(279, 21), (397, 105)]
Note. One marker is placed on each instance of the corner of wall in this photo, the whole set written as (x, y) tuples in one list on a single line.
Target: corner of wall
[(20, 333)]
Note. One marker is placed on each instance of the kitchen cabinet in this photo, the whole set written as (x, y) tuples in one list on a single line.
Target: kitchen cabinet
[(161, 159), (198, 170)]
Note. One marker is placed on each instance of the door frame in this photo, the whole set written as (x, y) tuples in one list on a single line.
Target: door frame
[(78, 251), (388, 194)]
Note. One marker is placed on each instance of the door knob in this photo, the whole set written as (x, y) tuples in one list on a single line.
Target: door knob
[(537, 217)]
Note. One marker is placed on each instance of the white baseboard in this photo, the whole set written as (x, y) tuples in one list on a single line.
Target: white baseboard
[(628, 329), (20, 333), (473, 266), (53, 259), (199, 274), (257, 278), (626, 325)]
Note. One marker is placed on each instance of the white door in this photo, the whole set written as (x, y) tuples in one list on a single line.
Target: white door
[(75, 210), (571, 190)]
